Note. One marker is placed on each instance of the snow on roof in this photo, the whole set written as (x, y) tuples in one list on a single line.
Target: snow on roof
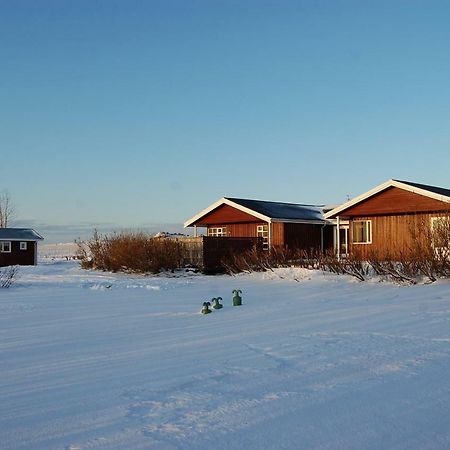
[(19, 234)]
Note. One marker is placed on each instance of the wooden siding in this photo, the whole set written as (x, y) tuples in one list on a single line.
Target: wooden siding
[(240, 229), (293, 235), (225, 214), (277, 234), (395, 201), (391, 234), (17, 256), (302, 236)]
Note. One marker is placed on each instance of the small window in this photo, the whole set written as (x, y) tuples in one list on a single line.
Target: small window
[(217, 232), (5, 247), (262, 231), (23, 246), (362, 232)]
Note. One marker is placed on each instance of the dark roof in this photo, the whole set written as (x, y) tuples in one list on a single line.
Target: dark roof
[(278, 210), (19, 234), (426, 187)]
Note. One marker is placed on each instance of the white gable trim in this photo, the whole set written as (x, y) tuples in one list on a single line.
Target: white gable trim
[(225, 201), (382, 187)]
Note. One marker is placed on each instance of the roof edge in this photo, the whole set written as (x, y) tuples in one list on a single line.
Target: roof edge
[(382, 187)]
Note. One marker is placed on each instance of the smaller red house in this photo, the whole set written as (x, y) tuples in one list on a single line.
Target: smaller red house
[(276, 224), (18, 246)]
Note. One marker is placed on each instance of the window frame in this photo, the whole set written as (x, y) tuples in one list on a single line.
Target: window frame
[(368, 231), (2, 246), (214, 232), (23, 245), (262, 231), (433, 220)]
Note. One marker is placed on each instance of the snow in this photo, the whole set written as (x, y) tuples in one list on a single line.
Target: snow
[(92, 360)]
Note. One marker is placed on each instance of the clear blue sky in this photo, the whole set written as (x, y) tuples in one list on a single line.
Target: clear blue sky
[(132, 113)]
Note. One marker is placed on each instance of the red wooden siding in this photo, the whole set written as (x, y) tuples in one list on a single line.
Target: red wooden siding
[(391, 234), (225, 214), (277, 234), (240, 229), (395, 201)]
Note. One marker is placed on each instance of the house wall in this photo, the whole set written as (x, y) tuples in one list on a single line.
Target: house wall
[(225, 214), (17, 256), (392, 234), (239, 229), (395, 201), (303, 236)]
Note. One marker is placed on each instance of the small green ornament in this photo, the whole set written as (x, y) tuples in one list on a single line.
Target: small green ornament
[(205, 308), (216, 303), (237, 299)]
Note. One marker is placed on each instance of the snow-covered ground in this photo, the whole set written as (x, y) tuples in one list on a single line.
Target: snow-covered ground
[(310, 361)]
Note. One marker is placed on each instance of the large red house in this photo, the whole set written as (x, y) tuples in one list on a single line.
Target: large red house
[(385, 220)]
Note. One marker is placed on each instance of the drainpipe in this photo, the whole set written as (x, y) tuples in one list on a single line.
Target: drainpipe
[(338, 237), (321, 236)]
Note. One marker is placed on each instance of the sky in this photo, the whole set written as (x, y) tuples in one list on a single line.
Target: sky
[(139, 114)]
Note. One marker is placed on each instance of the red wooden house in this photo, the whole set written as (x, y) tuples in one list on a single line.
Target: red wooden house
[(277, 224), (386, 219), (18, 246)]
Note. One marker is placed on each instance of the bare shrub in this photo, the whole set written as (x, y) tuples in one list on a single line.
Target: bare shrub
[(259, 260), (130, 252), (8, 275)]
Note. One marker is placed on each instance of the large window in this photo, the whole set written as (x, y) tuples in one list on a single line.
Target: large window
[(262, 231), (5, 247), (440, 235), (362, 232), (217, 232)]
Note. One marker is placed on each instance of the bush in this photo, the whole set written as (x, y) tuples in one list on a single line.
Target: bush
[(130, 252), (8, 276), (427, 256)]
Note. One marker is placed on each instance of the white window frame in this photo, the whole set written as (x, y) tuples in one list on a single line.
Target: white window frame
[(2, 246), (217, 231), (433, 221), (23, 246), (262, 231), (368, 232)]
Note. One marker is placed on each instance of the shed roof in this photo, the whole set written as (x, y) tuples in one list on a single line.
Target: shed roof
[(267, 210), (19, 234)]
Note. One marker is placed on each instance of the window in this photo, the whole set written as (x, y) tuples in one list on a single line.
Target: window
[(262, 231), (362, 232), (440, 235), (23, 246), (5, 247), (217, 232)]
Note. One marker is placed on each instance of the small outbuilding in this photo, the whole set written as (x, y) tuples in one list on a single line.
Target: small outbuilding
[(18, 246)]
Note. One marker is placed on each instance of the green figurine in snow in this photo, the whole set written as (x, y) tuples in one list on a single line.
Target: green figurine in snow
[(216, 303), (237, 299), (205, 309)]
